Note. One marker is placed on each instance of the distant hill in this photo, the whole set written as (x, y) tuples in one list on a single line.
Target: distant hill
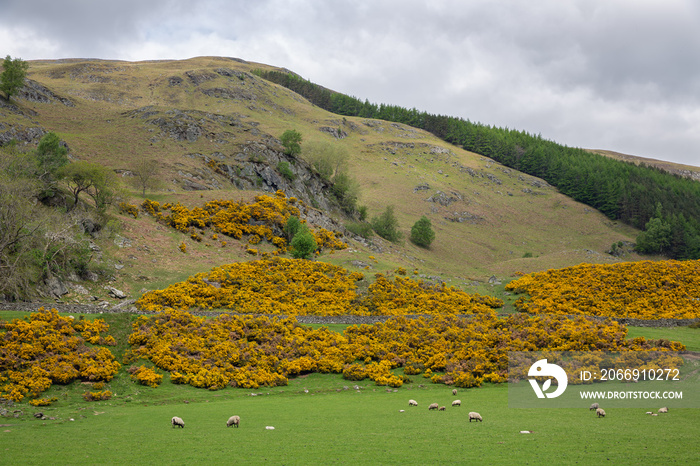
[(687, 171), (213, 127)]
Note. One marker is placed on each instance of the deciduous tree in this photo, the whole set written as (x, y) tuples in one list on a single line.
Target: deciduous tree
[(422, 233), (12, 77)]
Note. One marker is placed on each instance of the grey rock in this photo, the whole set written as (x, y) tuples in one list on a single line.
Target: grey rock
[(56, 287), (115, 293)]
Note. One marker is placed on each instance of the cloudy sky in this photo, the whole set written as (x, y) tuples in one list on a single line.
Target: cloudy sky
[(622, 75)]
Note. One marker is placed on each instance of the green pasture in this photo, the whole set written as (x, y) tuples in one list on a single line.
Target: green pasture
[(324, 419), (337, 426)]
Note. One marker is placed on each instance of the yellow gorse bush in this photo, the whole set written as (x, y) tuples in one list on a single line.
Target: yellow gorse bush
[(302, 287), (248, 351), (264, 218), (404, 296), (274, 286), (641, 290), (47, 349)]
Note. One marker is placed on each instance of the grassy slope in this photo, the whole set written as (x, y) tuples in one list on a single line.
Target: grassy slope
[(554, 230)]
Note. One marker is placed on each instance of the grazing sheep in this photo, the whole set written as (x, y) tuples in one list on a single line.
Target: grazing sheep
[(441, 408), (177, 422), (412, 403), (457, 403), (594, 406), (433, 406), (600, 412), (475, 416), (454, 392), (663, 410), (233, 421)]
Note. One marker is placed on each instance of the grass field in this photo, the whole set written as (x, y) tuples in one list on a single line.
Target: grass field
[(326, 426), (324, 419)]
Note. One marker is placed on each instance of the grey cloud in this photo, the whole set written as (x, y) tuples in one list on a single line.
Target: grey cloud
[(611, 74)]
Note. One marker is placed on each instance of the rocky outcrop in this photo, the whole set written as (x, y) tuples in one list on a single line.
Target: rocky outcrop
[(35, 92)]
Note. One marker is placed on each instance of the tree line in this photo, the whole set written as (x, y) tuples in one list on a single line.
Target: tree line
[(665, 206)]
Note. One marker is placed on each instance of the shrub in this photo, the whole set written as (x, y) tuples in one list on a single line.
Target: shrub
[(386, 225), (283, 168), (291, 140), (422, 233), (354, 372), (362, 229), (97, 396), (43, 401), (303, 244), (146, 376)]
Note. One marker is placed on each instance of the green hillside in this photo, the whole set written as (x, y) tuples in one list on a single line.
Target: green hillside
[(212, 127)]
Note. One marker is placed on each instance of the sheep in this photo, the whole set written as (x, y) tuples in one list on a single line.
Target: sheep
[(457, 403), (594, 406), (177, 422), (454, 392), (648, 412), (233, 421), (441, 408), (433, 406), (600, 412), (412, 403), (475, 416), (663, 410)]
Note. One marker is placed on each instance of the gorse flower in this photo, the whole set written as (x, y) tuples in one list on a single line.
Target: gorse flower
[(641, 290), (263, 219), (48, 349)]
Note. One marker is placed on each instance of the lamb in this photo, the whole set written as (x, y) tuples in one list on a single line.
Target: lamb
[(600, 412), (441, 408), (457, 403), (233, 421), (177, 422), (663, 410), (475, 416), (454, 392), (433, 406), (412, 403), (594, 406)]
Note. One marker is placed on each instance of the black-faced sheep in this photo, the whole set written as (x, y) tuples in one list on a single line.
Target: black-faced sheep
[(177, 422), (441, 408), (412, 403), (457, 403), (454, 392), (233, 421), (475, 416), (594, 406), (433, 406), (663, 410), (600, 412)]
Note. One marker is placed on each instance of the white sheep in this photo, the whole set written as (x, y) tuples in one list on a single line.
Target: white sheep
[(454, 392), (648, 412), (600, 412), (412, 403), (177, 422), (457, 403), (233, 421), (594, 406), (433, 406), (475, 416), (441, 408), (663, 410)]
